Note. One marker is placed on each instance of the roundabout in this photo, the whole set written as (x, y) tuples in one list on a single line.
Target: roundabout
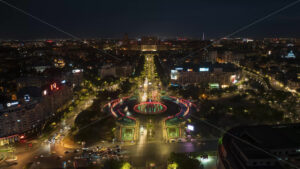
[(149, 114), (129, 107)]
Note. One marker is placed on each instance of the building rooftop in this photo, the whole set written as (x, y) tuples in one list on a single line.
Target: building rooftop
[(226, 67), (281, 136), (261, 142)]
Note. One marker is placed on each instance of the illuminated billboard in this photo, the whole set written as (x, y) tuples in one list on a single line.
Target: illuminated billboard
[(178, 68), (189, 70), (174, 74), (203, 69), (214, 86), (233, 79)]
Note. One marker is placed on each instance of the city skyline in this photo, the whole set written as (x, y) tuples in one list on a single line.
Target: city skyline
[(155, 84)]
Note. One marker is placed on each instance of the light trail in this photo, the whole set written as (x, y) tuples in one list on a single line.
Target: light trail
[(142, 140)]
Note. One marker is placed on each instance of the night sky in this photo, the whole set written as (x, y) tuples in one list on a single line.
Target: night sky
[(164, 18)]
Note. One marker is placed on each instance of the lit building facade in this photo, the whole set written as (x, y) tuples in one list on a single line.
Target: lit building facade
[(206, 75), (26, 114)]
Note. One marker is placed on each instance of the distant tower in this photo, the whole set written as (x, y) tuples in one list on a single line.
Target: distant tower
[(203, 37)]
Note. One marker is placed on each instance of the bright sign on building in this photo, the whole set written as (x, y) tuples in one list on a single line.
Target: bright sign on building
[(233, 79), (290, 55), (53, 86), (174, 74), (214, 85), (26, 97), (189, 70), (178, 68), (203, 69)]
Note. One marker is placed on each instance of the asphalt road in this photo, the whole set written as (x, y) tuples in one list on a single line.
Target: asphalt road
[(158, 152), (154, 149)]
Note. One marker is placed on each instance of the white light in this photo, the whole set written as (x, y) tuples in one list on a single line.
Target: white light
[(203, 69), (63, 81), (77, 70), (45, 92), (190, 127), (205, 160), (224, 86), (269, 52), (12, 104)]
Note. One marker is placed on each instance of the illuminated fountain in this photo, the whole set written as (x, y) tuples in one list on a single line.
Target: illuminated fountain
[(150, 108)]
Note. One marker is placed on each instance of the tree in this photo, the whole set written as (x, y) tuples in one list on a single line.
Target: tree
[(126, 86), (115, 164), (126, 165), (173, 166)]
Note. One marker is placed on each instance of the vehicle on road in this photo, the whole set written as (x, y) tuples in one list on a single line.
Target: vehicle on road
[(181, 140), (172, 141)]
